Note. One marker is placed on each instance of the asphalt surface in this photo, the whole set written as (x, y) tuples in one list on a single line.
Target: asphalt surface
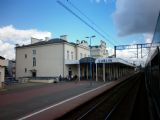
[(22, 100)]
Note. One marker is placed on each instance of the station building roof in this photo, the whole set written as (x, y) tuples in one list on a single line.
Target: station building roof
[(51, 41), (99, 60)]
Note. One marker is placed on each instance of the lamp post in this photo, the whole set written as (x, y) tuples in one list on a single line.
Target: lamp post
[(90, 37)]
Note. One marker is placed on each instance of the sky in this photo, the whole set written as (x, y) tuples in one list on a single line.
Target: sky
[(122, 22)]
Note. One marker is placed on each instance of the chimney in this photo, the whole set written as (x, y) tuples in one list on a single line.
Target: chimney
[(17, 45), (46, 38), (78, 42), (63, 37)]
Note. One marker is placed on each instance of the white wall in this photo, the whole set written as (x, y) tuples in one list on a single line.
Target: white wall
[(3, 63), (74, 69), (83, 50), (2, 73), (49, 60), (76, 50), (70, 48)]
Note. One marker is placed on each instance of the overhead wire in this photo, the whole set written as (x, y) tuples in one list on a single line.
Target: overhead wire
[(89, 19), (68, 9)]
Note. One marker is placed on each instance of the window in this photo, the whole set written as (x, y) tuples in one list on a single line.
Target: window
[(25, 70), (67, 55), (34, 61), (72, 55), (34, 52), (25, 55)]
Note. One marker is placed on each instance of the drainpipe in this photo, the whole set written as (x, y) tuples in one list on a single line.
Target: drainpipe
[(63, 59)]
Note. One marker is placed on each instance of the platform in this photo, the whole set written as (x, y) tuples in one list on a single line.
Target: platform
[(49, 101)]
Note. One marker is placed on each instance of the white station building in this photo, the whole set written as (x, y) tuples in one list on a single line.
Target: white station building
[(55, 57)]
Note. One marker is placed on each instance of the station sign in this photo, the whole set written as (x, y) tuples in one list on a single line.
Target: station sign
[(105, 60), (113, 60)]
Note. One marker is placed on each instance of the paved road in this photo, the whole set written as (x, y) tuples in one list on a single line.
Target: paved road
[(20, 102)]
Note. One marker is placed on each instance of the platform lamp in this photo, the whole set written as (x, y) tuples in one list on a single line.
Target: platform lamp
[(90, 38)]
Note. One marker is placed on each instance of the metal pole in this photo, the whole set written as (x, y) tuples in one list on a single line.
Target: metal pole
[(141, 50), (115, 51), (96, 72), (79, 71), (137, 51), (90, 64), (90, 59), (104, 79)]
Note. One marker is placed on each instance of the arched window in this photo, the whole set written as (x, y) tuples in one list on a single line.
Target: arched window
[(34, 61), (34, 52), (25, 70), (25, 55), (72, 55)]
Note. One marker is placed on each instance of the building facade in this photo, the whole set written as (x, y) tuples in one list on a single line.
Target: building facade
[(58, 57), (10, 69), (3, 64), (99, 50), (50, 58)]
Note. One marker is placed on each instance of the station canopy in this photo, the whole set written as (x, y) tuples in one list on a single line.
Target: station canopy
[(113, 60), (87, 60)]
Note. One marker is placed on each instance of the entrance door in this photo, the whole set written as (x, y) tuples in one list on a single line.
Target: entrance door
[(70, 73), (34, 74)]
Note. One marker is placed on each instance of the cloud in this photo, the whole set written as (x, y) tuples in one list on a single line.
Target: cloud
[(136, 16), (14, 36), (148, 38), (131, 56), (110, 51), (9, 36), (7, 50)]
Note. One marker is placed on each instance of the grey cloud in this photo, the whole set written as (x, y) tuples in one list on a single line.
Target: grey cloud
[(136, 16)]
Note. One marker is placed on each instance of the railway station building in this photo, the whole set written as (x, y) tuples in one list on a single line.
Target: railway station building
[(50, 59)]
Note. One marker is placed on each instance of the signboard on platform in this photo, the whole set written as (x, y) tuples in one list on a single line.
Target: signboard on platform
[(104, 61), (112, 60)]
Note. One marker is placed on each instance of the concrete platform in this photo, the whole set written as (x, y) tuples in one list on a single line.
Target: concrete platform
[(49, 101)]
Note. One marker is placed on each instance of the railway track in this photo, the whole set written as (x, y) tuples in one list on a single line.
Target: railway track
[(134, 105), (124, 107), (115, 104)]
